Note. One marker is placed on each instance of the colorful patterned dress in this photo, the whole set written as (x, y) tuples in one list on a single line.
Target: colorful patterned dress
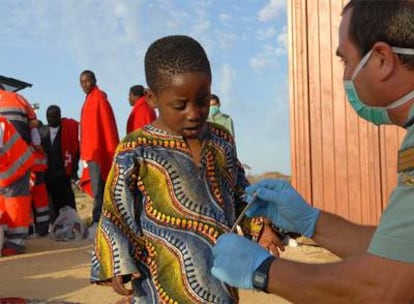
[(162, 214)]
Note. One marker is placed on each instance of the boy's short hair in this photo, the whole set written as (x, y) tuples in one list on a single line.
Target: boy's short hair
[(172, 55)]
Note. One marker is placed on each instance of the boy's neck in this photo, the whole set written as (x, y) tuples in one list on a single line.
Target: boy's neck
[(195, 145)]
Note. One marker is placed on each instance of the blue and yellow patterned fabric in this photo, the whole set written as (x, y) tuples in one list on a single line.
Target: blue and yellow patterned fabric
[(162, 213)]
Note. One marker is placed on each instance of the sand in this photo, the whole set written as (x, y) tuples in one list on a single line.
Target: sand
[(58, 272)]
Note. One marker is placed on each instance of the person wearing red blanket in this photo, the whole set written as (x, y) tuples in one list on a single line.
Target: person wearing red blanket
[(99, 138), (60, 141), (142, 113)]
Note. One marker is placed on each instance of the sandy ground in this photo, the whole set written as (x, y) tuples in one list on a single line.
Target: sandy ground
[(58, 272)]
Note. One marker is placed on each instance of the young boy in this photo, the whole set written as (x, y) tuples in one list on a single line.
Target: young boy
[(174, 187)]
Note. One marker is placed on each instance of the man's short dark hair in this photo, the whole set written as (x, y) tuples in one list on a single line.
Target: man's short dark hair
[(137, 90), (53, 109), (172, 55), (215, 97), (90, 74), (389, 21)]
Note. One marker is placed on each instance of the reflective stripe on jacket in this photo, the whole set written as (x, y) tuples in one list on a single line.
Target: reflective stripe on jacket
[(40, 161), (15, 155)]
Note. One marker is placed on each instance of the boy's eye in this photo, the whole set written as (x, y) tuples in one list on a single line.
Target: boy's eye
[(179, 105)]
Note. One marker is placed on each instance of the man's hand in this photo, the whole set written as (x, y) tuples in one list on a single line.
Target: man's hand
[(278, 201), (235, 260)]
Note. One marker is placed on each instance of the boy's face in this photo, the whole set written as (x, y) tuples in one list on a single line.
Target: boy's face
[(184, 104)]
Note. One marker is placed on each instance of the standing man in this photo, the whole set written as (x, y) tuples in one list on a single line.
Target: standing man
[(142, 113), (218, 117), (60, 141), (98, 140), (376, 45)]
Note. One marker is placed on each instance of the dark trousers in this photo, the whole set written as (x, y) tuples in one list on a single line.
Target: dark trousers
[(98, 186), (61, 195)]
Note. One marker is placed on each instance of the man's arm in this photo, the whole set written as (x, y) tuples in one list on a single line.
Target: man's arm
[(363, 279), (341, 236)]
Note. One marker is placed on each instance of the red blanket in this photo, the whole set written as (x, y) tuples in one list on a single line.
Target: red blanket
[(141, 114), (70, 142), (99, 133)]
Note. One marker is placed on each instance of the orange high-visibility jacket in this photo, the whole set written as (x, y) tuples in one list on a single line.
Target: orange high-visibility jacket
[(40, 161), (15, 155), (18, 111)]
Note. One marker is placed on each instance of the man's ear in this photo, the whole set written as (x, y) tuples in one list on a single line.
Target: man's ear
[(386, 59), (151, 98)]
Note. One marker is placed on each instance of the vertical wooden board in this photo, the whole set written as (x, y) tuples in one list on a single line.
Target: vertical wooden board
[(299, 103), (315, 104), (301, 99), (353, 149), (356, 205), (305, 117), (339, 115), (327, 122), (292, 67)]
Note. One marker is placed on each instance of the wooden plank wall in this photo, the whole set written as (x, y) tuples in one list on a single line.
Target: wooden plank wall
[(340, 163)]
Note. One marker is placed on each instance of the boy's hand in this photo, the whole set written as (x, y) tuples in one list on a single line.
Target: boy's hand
[(118, 284), (269, 239)]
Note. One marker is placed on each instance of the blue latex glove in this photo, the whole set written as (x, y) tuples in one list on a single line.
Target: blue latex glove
[(279, 201), (235, 260)]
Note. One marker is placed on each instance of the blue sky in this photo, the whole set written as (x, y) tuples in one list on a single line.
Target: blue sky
[(48, 43)]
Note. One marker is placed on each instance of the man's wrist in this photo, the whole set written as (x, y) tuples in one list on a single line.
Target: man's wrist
[(261, 274)]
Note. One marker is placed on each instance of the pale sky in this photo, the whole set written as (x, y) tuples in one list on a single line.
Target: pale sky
[(48, 43)]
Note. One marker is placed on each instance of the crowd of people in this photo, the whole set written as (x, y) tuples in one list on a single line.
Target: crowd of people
[(167, 195), (40, 162), (32, 195)]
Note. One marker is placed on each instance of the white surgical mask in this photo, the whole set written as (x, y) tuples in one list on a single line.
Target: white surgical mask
[(376, 115)]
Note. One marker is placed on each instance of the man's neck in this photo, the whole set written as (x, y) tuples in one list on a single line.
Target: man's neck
[(399, 116)]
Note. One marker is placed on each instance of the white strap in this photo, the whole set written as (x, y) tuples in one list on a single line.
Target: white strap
[(403, 51)]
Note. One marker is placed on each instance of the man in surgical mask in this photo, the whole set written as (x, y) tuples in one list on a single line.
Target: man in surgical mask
[(376, 45), (218, 117)]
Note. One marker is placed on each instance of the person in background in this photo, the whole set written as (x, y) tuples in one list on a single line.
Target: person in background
[(21, 114), (98, 140), (60, 141), (218, 117), (376, 45), (18, 111), (174, 187), (38, 191), (142, 113), (16, 160)]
